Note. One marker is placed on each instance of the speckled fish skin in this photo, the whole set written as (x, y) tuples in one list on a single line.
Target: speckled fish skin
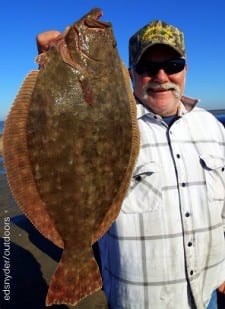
[(80, 143)]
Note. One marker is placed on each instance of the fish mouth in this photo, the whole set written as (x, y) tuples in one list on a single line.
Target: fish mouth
[(92, 19), (99, 13)]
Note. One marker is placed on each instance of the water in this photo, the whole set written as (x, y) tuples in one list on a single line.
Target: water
[(2, 172), (221, 118), (1, 126)]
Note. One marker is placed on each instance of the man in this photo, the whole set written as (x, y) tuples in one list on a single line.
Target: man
[(166, 248)]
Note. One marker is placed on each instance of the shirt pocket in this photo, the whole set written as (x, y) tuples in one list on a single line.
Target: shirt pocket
[(145, 193), (214, 169)]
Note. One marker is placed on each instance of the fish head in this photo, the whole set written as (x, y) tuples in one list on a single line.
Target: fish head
[(87, 38)]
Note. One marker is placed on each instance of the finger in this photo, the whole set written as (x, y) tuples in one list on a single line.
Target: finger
[(45, 38), (222, 288)]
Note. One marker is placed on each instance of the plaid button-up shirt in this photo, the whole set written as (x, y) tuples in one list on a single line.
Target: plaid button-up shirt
[(168, 239)]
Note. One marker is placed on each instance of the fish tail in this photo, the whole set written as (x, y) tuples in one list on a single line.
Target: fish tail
[(73, 281)]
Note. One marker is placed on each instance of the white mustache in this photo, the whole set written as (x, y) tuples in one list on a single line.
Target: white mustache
[(157, 86)]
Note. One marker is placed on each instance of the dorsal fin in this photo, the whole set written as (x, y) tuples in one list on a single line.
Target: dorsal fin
[(17, 163)]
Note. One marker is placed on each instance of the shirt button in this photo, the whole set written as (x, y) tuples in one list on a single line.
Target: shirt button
[(178, 156), (191, 272), (189, 244), (138, 178), (187, 214), (223, 169), (183, 184)]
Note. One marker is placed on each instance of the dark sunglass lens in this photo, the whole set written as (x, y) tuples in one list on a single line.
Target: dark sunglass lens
[(148, 69), (174, 66), (152, 68), (140, 68)]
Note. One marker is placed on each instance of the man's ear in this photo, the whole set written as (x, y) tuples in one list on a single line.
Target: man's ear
[(131, 74)]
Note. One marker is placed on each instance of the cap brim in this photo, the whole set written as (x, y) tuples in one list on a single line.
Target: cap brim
[(153, 44)]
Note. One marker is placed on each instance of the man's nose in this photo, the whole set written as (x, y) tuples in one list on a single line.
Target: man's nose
[(160, 76)]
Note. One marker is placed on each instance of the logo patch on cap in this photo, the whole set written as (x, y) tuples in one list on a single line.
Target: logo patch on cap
[(157, 32), (153, 32)]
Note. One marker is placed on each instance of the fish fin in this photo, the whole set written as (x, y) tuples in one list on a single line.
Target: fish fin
[(17, 162), (72, 281)]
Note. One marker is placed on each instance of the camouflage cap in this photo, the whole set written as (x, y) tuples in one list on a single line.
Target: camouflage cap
[(157, 32)]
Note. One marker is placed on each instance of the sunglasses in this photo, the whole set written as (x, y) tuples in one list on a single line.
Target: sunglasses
[(151, 68)]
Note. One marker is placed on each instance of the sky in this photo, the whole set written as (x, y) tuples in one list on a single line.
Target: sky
[(203, 23)]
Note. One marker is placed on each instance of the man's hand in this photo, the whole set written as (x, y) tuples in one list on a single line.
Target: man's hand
[(45, 38), (221, 288)]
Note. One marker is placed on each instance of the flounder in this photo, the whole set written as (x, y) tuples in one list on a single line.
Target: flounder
[(70, 144)]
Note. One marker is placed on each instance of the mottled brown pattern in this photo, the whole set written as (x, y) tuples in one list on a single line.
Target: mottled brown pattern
[(17, 162), (70, 144)]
